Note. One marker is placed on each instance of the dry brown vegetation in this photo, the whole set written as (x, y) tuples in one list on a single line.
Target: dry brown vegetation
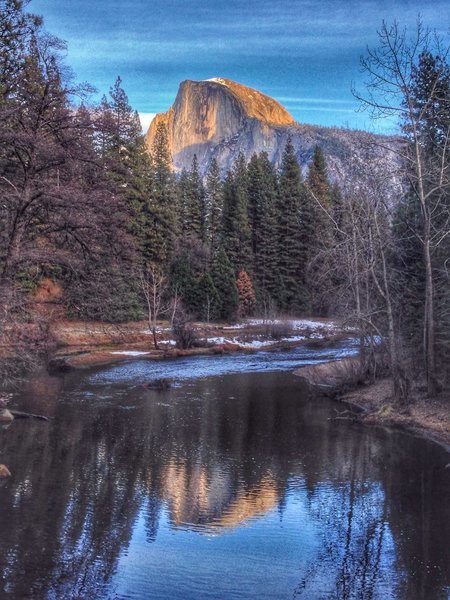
[(343, 379)]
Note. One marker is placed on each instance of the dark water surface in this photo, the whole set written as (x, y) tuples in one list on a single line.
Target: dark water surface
[(233, 486)]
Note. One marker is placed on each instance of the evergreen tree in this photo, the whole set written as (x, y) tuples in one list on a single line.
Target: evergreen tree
[(317, 181), (183, 282), (183, 192), (262, 196), (254, 192), (122, 121), (195, 210), (189, 265), (214, 206), (222, 274), (235, 224), (209, 299), (162, 203), (430, 98), (17, 29), (294, 233), (318, 210), (120, 142)]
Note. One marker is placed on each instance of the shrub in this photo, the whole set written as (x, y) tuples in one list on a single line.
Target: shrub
[(183, 330)]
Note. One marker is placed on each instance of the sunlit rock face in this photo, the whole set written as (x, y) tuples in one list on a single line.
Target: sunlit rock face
[(220, 118)]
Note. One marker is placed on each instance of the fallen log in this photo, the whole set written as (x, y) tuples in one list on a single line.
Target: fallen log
[(18, 414)]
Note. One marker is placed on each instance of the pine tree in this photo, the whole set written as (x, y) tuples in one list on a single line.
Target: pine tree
[(209, 299), (430, 97), (235, 225), (17, 29), (262, 197), (294, 233), (189, 265), (222, 274), (121, 146), (126, 127), (162, 203), (214, 206), (183, 282), (317, 181), (255, 192), (195, 210), (183, 192), (319, 209)]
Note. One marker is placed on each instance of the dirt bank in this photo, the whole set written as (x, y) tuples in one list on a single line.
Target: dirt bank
[(427, 417), (83, 357)]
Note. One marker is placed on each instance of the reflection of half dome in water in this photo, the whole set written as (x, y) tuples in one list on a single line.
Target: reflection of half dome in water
[(250, 503), (202, 501)]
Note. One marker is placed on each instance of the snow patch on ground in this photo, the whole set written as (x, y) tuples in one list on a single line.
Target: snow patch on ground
[(253, 343), (302, 329), (219, 340), (158, 330), (256, 343), (297, 324), (129, 352)]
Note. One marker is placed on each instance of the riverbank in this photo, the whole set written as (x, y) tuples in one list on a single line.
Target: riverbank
[(427, 417), (84, 344)]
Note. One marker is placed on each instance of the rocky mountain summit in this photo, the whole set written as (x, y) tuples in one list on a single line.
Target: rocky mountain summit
[(219, 118)]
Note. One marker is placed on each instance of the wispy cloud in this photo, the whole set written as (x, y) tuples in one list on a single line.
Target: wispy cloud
[(306, 100), (305, 53), (327, 109)]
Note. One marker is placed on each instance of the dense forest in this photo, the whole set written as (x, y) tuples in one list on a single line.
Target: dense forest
[(84, 204)]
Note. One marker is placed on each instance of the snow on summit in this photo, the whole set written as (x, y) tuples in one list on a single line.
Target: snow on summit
[(218, 80)]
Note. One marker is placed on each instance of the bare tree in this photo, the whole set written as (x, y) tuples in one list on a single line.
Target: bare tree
[(154, 286), (391, 91), (360, 262), (57, 210)]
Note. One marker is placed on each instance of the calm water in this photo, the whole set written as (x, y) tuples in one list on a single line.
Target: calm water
[(234, 484)]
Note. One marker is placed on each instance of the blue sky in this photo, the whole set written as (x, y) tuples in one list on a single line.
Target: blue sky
[(304, 53)]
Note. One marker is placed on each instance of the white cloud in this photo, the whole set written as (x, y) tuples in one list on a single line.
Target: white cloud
[(304, 100), (146, 119)]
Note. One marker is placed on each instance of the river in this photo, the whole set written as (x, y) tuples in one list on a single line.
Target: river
[(236, 483)]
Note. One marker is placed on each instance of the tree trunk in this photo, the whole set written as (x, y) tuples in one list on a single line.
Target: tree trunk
[(429, 325), (155, 340)]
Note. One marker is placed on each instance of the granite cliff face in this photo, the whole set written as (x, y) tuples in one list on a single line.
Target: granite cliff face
[(219, 118)]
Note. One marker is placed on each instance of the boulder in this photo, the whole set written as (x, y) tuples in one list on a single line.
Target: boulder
[(4, 472), (6, 416), (160, 384)]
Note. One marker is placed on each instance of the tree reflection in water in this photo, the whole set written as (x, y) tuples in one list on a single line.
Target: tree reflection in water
[(365, 508)]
